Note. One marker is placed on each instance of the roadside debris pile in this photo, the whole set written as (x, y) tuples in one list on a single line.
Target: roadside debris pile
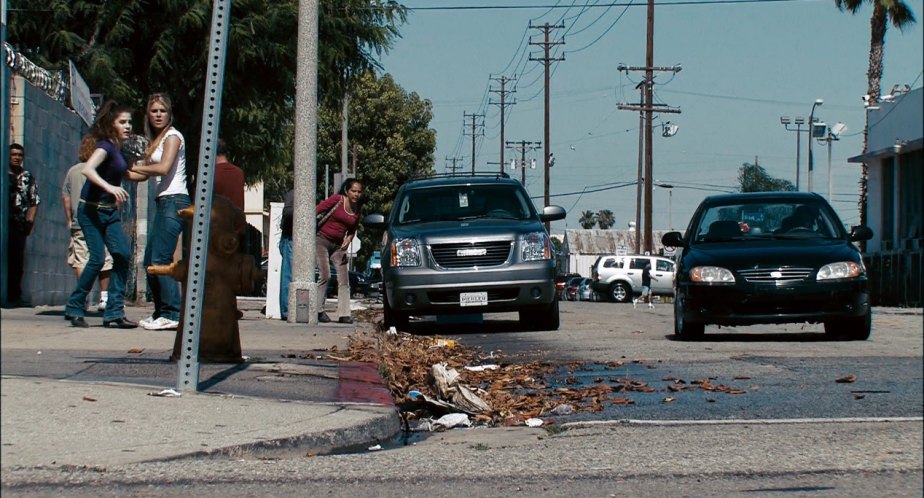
[(439, 377)]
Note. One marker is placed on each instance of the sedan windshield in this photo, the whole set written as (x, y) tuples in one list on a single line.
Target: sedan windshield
[(782, 220)]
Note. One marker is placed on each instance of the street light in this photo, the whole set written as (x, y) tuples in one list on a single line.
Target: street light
[(670, 199), (798, 121), (811, 161), (834, 133)]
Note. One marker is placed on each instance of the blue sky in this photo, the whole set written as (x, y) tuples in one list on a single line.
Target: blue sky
[(743, 66)]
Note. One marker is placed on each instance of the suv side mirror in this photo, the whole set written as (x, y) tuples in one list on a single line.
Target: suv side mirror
[(860, 232), (374, 220), (672, 239), (552, 213)]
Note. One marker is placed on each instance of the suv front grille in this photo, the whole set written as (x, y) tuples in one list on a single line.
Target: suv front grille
[(775, 276), (472, 254)]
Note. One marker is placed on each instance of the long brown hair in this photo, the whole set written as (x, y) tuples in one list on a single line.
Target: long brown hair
[(104, 126), (161, 98)]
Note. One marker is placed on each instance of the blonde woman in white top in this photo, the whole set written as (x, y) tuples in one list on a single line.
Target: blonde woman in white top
[(165, 158)]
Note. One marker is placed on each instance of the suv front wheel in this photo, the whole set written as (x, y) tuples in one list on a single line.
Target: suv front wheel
[(620, 292)]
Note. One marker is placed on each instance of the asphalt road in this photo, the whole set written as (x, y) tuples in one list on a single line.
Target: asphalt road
[(794, 431)]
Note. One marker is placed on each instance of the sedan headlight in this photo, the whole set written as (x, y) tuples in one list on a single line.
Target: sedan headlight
[(841, 269), (536, 246), (711, 275), (405, 252)]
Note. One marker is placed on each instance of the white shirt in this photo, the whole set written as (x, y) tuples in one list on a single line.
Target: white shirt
[(174, 182)]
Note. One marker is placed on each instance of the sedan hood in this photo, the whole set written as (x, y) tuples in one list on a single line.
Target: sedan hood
[(770, 254)]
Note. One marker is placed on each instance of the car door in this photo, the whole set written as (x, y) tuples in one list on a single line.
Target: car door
[(634, 271), (663, 271)]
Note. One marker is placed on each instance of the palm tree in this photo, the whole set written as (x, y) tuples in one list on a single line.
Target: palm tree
[(884, 11), (605, 219), (588, 219)]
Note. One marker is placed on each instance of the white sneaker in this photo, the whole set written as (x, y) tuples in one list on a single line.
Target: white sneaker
[(145, 322), (635, 303), (101, 307), (650, 306), (161, 323)]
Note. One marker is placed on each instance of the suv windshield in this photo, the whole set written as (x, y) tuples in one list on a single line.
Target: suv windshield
[(756, 221), (463, 202)]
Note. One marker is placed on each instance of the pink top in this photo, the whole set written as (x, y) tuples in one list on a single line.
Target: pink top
[(341, 223)]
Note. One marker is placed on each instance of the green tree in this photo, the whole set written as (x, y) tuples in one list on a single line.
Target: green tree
[(127, 49), (606, 219), (754, 178), (588, 219), (884, 11)]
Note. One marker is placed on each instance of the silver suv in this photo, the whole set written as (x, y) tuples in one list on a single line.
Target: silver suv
[(619, 277), (467, 244)]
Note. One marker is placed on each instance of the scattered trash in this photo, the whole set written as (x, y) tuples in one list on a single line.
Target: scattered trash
[(39, 352), (443, 343), (392, 330), (562, 410), (667, 400), (445, 383), (443, 423), (135, 350), (167, 393), (414, 394), (377, 447), (482, 368), (847, 379), (87, 398), (534, 422)]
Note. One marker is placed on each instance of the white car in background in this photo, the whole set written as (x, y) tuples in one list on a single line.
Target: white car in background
[(620, 277)]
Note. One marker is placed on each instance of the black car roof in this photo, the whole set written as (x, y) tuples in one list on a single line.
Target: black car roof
[(745, 197)]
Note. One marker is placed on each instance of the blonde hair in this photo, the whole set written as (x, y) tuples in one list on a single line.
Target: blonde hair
[(157, 98)]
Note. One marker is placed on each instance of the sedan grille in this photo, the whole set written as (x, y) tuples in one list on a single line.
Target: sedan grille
[(775, 276), (472, 254)]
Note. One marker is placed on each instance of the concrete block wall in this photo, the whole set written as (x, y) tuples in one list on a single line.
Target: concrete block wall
[(50, 134)]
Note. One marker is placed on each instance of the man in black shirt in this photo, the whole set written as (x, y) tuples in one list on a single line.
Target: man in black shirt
[(646, 287)]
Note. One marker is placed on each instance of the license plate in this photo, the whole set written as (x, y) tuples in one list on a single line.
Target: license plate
[(473, 299)]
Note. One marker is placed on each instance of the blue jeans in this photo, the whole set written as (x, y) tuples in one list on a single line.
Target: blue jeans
[(163, 236), (285, 276), (102, 229)]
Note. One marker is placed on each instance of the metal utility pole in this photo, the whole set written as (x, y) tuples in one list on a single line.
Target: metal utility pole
[(503, 110), (523, 145), (344, 136), (454, 160), (303, 289), (547, 61), (474, 133), (647, 107)]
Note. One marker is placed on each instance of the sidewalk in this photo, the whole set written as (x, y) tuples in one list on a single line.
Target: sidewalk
[(84, 397)]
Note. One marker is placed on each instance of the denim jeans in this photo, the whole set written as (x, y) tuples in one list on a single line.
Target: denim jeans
[(285, 275), (102, 229), (163, 236)]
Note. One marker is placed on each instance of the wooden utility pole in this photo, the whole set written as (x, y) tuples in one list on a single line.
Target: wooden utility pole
[(474, 133), (503, 110), (454, 160), (547, 61), (523, 145), (647, 108)]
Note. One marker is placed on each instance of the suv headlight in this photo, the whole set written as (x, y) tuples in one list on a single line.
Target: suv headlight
[(711, 275), (841, 269), (536, 246), (405, 252)]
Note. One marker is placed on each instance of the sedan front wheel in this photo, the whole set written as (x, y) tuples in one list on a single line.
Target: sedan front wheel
[(684, 329)]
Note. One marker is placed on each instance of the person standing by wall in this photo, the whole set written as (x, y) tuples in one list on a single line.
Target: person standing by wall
[(24, 201), (285, 249), (99, 216), (334, 237), (166, 159), (77, 252)]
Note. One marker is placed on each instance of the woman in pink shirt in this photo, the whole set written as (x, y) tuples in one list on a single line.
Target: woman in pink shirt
[(334, 237)]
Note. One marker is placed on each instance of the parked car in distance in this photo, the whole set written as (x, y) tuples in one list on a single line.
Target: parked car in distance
[(770, 257), (571, 288), (467, 244), (561, 281), (619, 277)]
